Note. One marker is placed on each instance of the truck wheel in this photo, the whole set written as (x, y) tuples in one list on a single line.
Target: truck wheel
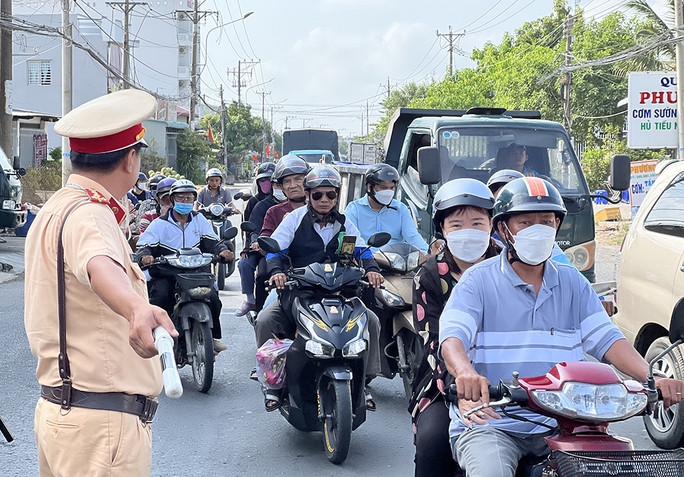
[(336, 405), (203, 360), (665, 427)]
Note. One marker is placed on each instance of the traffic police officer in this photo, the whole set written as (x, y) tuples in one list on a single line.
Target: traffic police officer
[(96, 361)]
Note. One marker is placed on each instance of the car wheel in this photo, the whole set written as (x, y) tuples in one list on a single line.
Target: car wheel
[(665, 427)]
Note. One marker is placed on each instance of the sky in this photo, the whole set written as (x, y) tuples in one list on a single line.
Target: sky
[(322, 61)]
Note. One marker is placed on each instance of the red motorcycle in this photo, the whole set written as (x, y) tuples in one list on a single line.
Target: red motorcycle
[(583, 398)]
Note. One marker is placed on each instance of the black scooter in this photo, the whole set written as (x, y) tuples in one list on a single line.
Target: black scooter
[(217, 215), (327, 360), (191, 314)]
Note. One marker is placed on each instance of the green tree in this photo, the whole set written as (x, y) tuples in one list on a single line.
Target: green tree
[(398, 98), (192, 149)]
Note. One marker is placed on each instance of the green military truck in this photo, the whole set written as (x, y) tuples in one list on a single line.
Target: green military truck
[(11, 214), (474, 144)]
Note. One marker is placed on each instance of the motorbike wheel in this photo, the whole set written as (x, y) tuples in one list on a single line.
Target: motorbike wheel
[(666, 427), (336, 406), (203, 361), (221, 275)]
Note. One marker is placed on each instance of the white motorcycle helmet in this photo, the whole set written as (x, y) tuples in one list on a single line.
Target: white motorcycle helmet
[(456, 193)]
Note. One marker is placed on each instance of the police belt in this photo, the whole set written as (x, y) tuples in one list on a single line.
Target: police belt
[(136, 404)]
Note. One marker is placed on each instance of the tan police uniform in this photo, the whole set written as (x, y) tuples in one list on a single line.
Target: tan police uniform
[(83, 441)]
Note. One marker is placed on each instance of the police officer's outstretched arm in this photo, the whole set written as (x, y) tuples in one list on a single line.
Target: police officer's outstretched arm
[(111, 283)]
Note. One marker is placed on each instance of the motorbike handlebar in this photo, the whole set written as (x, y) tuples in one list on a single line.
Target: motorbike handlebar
[(495, 392), (164, 344)]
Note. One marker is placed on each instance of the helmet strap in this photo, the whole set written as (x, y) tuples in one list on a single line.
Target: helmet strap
[(509, 246)]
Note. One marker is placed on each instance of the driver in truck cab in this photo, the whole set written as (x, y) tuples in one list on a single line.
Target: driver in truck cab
[(178, 228), (523, 312), (312, 234), (377, 211)]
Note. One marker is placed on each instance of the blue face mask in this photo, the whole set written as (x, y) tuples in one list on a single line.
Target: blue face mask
[(182, 208)]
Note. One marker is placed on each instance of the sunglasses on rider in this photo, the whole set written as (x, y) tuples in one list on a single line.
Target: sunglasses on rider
[(318, 195)]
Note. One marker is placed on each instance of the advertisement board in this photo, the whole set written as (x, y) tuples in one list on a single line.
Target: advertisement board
[(652, 110), (642, 177)]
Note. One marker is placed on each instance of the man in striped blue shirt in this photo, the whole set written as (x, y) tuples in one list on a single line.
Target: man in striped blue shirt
[(523, 312)]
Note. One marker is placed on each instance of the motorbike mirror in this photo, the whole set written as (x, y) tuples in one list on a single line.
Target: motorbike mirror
[(677, 322), (238, 196), (230, 233), (379, 239), (248, 227), (16, 163), (269, 244)]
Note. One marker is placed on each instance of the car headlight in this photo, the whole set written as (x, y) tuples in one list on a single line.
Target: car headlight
[(319, 350), (189, 261), (412, 260), (354, 348), (591, 402), (391, 299), (396, 261), (216, 209), (582, 256)]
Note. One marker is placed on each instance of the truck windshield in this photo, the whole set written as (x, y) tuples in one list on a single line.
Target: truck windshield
[(478, 152), (4, 162)]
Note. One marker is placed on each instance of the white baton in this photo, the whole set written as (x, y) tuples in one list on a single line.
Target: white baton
[(164, 344)]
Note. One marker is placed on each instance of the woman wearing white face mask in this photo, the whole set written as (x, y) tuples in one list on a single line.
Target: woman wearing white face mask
[(463, 217)]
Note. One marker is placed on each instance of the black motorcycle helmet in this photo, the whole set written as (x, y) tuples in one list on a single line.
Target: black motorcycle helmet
[(289, 165), (265, 170), (528, 194), (154, 181), (380, 173)]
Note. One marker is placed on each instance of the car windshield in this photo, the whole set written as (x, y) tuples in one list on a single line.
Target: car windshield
[(316, 158), (478, 152)]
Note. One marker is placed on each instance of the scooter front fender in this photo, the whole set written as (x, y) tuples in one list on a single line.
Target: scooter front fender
[(197, 311), (338, 373)]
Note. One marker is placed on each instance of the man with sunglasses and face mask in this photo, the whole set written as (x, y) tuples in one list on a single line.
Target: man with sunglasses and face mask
[(310, 235), (523, 312)]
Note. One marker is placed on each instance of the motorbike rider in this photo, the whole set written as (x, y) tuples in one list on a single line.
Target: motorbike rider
[(308, 235), (250, 256), (162, 203), (139, 192), (523, 312), (181, 227), (462, 216), (289, 173), (261, 187), (213, 192), (150, 204), (377, 211)]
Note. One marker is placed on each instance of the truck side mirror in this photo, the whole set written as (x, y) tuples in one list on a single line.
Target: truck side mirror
[(677, 322), (429, 167), (620, 172), (16, 163)]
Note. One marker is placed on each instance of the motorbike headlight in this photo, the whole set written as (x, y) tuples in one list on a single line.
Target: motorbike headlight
[(354, 349), (319, 350), (592, 402), (396, 261), (412, 260), (216, 209), (391, 299), (191, 261), (9, 205)]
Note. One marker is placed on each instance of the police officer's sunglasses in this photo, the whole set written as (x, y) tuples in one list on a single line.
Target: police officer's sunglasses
[(318, 195)]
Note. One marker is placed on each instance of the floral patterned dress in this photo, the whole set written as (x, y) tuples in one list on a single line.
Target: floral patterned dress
[(432, 286)]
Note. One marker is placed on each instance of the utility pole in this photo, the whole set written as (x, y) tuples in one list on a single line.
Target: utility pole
[(452, 40), (126, 7), (67, 85), (263, 95), (389, 90), (367, 121), (679, 59), (241, 76), (566, 85), (361, 133), (223, 129), (6, 80)]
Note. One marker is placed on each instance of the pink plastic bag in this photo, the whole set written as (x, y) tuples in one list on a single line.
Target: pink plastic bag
[(270, 362)]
